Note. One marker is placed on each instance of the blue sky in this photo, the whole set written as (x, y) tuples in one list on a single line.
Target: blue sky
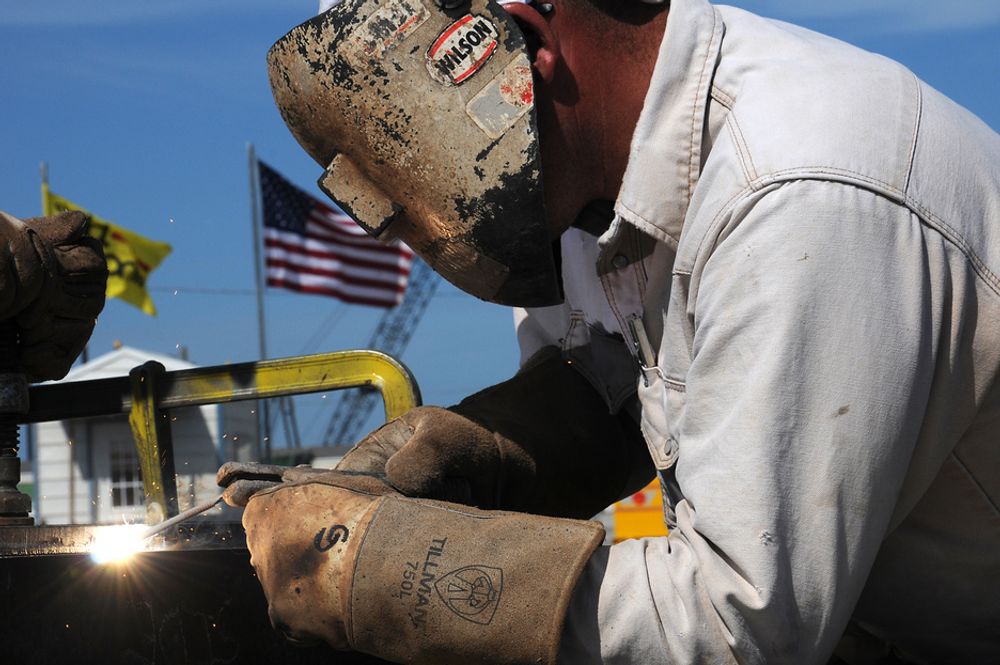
[(143, 111)]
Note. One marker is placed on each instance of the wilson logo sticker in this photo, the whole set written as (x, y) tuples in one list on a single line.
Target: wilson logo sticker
[(462, 49)]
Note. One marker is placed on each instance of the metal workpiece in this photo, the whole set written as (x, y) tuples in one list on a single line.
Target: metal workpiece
[(46, 540), (187, 593), (190, 598)]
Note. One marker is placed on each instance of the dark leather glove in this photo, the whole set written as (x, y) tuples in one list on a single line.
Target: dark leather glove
[(542, 442), (53, 278)]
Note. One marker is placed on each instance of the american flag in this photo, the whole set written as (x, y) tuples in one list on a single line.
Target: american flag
[(312, 247)]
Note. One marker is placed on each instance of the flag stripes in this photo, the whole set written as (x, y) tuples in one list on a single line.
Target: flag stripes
[(311, 247)]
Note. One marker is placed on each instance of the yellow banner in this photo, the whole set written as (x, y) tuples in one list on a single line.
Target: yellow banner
[(131, 257)]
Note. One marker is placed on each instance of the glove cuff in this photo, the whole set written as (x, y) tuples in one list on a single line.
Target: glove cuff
[(438, 583)]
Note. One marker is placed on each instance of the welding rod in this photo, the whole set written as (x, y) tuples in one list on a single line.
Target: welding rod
[(177, 519)]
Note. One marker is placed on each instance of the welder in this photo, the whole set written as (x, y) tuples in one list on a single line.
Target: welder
[(749, 259)]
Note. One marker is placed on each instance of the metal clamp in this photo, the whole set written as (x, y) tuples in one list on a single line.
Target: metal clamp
[(150, 392)]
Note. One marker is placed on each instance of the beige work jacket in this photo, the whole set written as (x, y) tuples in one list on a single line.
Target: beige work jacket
[(801, 283)]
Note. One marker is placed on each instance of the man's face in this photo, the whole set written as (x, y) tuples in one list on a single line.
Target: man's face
[(556, 99), (587, 102)]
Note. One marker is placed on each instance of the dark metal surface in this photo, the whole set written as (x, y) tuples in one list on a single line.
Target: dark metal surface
[(195, 601), (14, 504)]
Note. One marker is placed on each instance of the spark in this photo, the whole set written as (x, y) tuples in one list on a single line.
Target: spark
[(117, 545)]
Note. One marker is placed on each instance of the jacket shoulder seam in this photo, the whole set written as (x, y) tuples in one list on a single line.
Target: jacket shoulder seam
[(742, 149), (700, 103), (879, 187), (916, 133)]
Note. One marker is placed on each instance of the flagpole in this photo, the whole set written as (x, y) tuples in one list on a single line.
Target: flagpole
[(44, 171), (263, 416)]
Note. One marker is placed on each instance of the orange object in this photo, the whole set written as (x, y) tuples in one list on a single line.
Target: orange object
[(640, 515)]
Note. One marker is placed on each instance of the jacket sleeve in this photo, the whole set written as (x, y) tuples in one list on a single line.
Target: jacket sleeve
[(809, 322)]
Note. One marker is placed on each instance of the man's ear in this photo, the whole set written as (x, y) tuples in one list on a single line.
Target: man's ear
[(541, 39)]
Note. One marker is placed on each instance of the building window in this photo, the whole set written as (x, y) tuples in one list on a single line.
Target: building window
[(126, 478)]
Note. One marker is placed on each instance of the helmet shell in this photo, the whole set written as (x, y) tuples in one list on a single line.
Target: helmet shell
[(424, 120)]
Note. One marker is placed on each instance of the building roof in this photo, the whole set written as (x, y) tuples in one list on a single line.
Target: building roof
[(120, 361)]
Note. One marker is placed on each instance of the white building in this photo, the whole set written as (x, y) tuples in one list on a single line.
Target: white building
[(87, 471)]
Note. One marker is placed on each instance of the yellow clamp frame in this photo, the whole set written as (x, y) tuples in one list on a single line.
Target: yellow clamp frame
[(154, 391)]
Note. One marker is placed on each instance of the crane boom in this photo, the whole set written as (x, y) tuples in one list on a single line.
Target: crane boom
[(392, 334)]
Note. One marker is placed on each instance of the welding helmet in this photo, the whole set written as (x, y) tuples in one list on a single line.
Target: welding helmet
[(422, 115)]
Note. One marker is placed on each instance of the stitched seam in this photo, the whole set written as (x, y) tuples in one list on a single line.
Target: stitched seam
[(749, 172), (626, 333), (660, 623), (951, 234), (916, 134), (566, 341), (804, 172), (349, 628), (610, 296), (744, 145), (609, 293), (721, 96), (717, 220), (647, 226), (694, 109), (674, 384), (975, 482), (988, 276), (638, 268)]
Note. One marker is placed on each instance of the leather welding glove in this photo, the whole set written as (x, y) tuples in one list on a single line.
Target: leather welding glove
[(347, 560), (53, 278), (241, 480), (542, 442)]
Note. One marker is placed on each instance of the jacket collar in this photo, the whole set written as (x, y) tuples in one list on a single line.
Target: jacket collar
[(665, 157)]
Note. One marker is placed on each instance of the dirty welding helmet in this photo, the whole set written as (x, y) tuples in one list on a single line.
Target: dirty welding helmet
[(421, 112)]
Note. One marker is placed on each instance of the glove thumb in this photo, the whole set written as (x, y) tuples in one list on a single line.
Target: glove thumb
[(240, 492), (448, 458), (62, 228)]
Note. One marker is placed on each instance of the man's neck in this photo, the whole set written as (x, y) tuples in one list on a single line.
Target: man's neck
[(590, 101)]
